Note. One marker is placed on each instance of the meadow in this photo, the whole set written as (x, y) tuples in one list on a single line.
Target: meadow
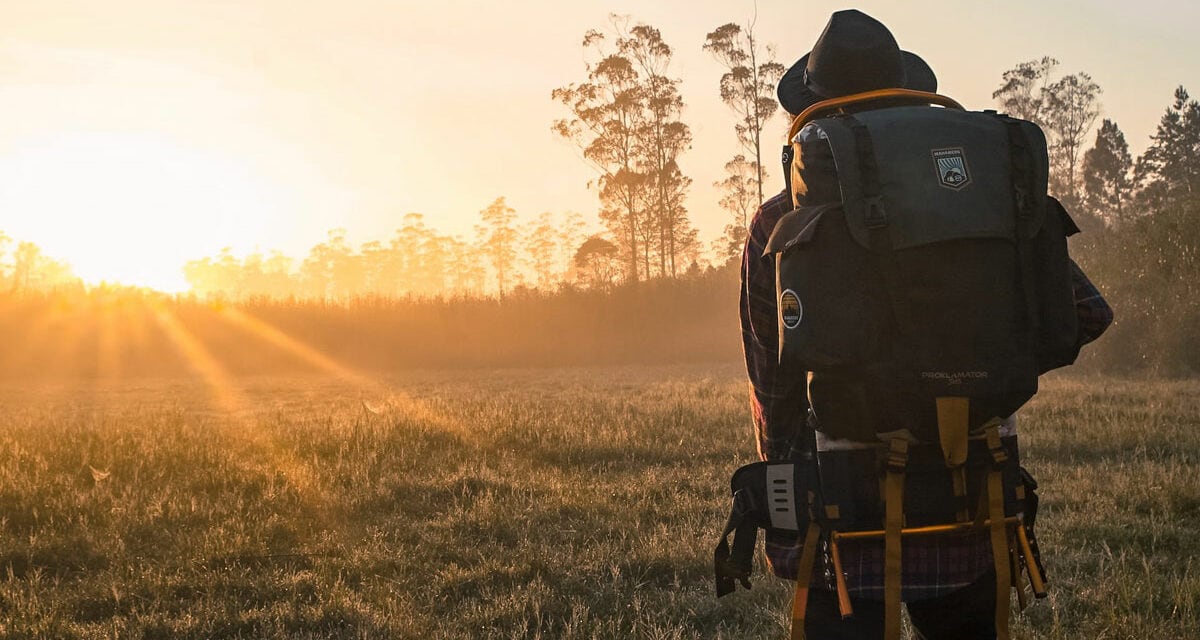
[(508, 503)]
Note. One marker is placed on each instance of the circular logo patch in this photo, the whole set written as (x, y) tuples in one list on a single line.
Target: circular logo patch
[(790, 310)]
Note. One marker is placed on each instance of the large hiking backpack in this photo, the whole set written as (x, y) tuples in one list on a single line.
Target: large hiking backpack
[(923, 283)]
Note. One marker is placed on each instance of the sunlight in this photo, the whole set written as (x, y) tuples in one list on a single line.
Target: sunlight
[(274, 336), (393, 400), (129, 208), (231, 402)]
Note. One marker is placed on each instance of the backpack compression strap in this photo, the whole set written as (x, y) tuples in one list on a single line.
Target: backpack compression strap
[(999, 530), (893, 504), (808, 555)]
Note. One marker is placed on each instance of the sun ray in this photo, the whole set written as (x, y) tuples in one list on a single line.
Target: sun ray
[(296, 348), (396, 400), (48, 331), (241, 421), (109, 336)]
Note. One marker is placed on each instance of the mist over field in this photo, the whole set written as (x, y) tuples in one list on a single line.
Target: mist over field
[(403, 320)]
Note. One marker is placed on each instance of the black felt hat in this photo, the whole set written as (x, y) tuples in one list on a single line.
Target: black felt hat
[(855, 53)]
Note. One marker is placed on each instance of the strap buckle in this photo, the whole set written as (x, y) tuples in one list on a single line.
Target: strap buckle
[(897, 456), (999, 455)]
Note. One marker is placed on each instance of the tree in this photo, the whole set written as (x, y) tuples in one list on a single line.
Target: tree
[(625, 119), (1071, 109), (1022, 92), (571, 233), (541, 246), (597, 262), (738, 199), (404, 265), (1171, 198), (466, 270), (33, 270), (1108, 175), (1170, 167), (1066, 109), (435, 262), (498, 240), (747, 86), (5, 265), (607, 113), (663, 138)]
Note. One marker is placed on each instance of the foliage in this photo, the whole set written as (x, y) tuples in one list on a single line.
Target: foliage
[(1147, 261), (498, 240), (748, 88), (104, 332), (596, 262), (417, 262), (1108, 176), (23, 267), (626, 120), (1170, 167), (1065, 108), (742, 201)]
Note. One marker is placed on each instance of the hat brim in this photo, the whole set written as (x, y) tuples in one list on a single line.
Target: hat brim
[(795, 96)]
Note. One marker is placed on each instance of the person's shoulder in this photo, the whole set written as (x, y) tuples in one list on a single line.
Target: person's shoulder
[(765, 219), (776, 205), (769, 213)]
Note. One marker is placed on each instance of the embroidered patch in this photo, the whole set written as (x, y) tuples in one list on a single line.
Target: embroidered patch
[(951, 166), (790, 310)]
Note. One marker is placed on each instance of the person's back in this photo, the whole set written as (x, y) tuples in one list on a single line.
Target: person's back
[(948, 582)]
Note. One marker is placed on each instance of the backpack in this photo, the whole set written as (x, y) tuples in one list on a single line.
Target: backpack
[(924, 284)]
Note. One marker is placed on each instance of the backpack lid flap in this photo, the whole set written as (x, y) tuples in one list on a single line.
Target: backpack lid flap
[(943, 175), (797, 227)]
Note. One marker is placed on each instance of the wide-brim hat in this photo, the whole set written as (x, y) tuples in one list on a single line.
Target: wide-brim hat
[(855, 53)]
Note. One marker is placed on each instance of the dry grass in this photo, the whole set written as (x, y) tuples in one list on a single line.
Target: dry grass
[(578, 503)]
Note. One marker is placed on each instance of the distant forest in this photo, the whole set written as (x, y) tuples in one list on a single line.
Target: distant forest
[(548, 290)]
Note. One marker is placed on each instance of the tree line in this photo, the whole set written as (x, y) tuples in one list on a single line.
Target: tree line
[(625, 117), (416, 262), (24, 267), (1140, 215)]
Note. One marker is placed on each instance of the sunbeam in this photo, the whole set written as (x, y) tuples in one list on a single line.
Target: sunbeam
[(395, 400)]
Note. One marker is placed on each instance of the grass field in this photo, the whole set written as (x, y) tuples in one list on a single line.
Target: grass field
[(577, 503)]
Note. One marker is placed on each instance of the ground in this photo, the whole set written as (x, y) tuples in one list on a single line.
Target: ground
[(553, 503)]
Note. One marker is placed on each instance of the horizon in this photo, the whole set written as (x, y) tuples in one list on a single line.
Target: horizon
[(262, 126)]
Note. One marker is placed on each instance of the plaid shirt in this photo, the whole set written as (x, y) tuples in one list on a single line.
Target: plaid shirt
[(931, 566)]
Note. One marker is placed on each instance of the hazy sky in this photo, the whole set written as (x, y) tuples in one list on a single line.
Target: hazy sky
[(135, 134)]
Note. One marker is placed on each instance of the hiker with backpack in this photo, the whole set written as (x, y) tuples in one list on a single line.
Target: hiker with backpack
[(899, 300)]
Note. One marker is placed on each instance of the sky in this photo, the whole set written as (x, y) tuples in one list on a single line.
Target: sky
[(138, 134)]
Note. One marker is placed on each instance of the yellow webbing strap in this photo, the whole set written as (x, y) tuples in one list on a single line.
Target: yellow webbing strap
[(952, 412), (1014, 561), (893, 523), (808, 556), (999, 530), (1036, 580), (959, 476), (953, 424), (843, 594)]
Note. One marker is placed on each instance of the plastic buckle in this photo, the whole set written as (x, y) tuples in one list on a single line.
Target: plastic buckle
[(996, 448), (897, 457)]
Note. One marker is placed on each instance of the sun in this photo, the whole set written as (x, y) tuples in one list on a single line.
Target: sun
[(130, 208)]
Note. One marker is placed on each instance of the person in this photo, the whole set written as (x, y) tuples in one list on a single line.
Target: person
[(948, 581)]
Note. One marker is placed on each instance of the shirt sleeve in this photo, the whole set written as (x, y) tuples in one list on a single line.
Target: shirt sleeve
[(1093, 311), (778, 398)]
